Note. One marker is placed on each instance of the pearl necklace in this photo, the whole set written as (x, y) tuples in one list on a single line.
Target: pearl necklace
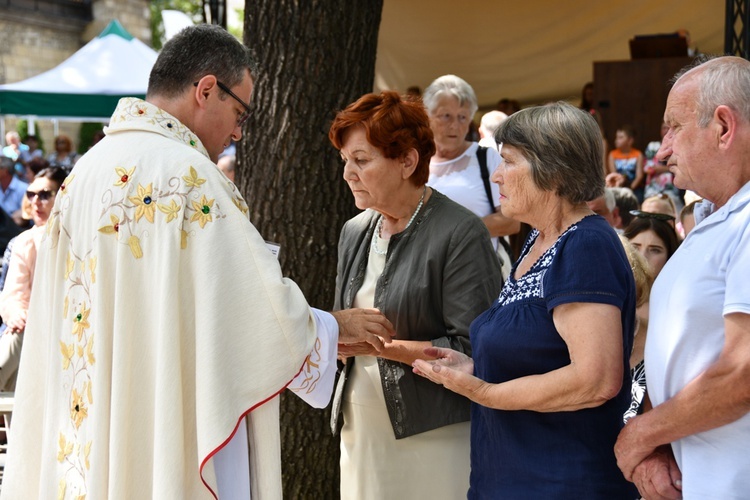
[(379, 228)]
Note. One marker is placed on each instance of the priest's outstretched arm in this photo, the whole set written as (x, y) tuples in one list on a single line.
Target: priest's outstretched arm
[(314, 383)]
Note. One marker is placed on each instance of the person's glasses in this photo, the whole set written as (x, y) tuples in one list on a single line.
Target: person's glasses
[(651, 215), (43, 195), (244, 116)]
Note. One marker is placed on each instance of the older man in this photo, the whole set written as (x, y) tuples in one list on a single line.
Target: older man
[(161, 330), (696, 437)]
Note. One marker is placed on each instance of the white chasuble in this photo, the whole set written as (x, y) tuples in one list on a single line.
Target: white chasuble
[(158, 320)]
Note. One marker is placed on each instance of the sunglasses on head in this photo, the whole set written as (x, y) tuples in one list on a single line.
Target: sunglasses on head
[(651, 215), (44, 194)]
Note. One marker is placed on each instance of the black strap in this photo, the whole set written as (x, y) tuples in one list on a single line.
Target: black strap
[(482, 157)]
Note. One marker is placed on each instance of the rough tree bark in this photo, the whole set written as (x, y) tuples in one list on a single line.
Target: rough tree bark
[(315, 57)]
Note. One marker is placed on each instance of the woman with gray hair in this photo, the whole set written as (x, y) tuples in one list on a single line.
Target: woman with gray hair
[(461, 169), (550, 377)]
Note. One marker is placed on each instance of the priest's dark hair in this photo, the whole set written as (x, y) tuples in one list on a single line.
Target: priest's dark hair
[(195, 52)]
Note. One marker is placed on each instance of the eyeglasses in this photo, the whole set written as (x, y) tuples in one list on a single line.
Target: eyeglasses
[(651, 215), (244, 116), (44, 195)]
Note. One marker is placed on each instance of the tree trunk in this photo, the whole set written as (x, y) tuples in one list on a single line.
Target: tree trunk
[(315, 57)]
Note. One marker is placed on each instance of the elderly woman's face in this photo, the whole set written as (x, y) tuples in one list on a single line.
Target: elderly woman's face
[(372, 177), (449, 122), (518, 193)]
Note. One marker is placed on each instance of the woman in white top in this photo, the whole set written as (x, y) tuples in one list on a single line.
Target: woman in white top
[(454, 169)]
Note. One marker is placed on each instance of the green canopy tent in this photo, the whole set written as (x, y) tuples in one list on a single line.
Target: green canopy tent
[(87, 85)]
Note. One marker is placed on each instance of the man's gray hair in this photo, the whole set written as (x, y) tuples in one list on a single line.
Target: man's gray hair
[(563, 146), (450, 85), (721, 81), (491, 122)]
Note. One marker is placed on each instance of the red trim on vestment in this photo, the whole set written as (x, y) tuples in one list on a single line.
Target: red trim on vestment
[(237, 426)]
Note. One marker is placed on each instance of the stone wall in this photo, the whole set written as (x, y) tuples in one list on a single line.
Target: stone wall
[(34, 42)]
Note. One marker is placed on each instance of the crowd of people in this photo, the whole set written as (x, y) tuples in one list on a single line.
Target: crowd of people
[(518, 312)]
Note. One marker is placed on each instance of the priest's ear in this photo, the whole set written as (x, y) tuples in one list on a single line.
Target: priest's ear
[(203, 89)]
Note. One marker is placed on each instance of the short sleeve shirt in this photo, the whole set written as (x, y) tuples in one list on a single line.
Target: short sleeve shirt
[(527, 454)]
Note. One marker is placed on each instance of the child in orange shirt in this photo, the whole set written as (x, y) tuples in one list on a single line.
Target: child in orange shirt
[(625, 163)]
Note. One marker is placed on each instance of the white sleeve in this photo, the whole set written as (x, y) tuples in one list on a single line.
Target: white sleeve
[(314, 384)]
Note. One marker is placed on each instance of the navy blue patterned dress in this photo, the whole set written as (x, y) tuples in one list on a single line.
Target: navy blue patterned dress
[(560, 455)]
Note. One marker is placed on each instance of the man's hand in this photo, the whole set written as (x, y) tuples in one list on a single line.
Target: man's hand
[(658, 477), (358, 349), (364, 325), (630, 449)]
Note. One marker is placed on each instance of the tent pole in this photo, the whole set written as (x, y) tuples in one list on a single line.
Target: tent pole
[(56, 125), (2, 128), (31, 125)]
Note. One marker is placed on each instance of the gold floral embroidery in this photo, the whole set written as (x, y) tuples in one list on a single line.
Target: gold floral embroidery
[(135, 246), (123, 176), (240, 204), (78, 409), (67, 352), (171, 210), (81, 322), (113, 228), (193, 180), (64, 448), (61, 489), (145, 205), (92, 268), (86, 453), (69, 266), (202, 211)]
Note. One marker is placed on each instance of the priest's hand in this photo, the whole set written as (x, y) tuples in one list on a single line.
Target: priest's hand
[(364, 325)]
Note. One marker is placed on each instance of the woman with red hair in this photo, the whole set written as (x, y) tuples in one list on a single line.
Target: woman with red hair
[(428, 264)]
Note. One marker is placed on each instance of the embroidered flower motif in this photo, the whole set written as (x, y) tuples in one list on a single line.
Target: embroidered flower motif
[(81, 322), (241, 205), (113, 228), (183, 239), (61, 486), (64, 448), (135, 246), (202, 211), (67, 353), (69, 265), (92, 268), (86, 453), (66, 302), (123, 176), (145, 205), (193, 180), (171, 210), (78, 409)]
